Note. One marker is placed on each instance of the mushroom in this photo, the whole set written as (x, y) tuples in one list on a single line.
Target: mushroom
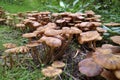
[(117, 73), (89, 36), (34, 52), (21, 49), (58, 64), (52, 32), (115, 49), (116, 39), (9, 45), (89, 67), (21, 26), (52, 43), (89, 13), (51, 72), (29, 36), (108, 60)]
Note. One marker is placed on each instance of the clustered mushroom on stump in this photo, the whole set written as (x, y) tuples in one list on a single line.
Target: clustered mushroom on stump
[(105, 61), (55, 31)]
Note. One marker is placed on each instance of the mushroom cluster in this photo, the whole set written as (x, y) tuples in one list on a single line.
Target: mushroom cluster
[(49, 34), (105, 61), (55, 31), (13, 51), (54, 70)]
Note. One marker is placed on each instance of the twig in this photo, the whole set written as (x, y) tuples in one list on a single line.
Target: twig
[(76, 53)]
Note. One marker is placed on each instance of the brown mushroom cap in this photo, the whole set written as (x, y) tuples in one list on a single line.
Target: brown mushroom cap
[(89, 67), (116, 39), (29, 35), (51, 71), (52, 32), (115, 49), (89, 36), (117, 73), (60, 21), (20, 25), (103, 51), (21, 49), (108, 61), (9, 45), (58, 64), (51, 41)]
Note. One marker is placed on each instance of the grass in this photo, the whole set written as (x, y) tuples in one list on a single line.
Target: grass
[(29, 5), (20, 73), (7, 35)]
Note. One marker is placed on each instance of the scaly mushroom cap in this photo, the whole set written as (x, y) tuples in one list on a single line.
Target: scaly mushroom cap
[(58, 64), (51, 71), (52, 32), (89, 67), (51, 41), (89, 36), (29, 35), (21, 49), (108, 61), (117, 73), (9, 45), (115, 49), (116, 39)]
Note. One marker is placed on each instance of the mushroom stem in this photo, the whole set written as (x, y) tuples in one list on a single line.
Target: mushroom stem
[(35, 55), (11, 61), (50, 55), (63, 48)]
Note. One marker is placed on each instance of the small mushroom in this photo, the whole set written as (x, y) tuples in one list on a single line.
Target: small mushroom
[(9, 45), (51, 71), (29, 36), (58, 64), (116, 39), (89, 67), (89, 36)]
